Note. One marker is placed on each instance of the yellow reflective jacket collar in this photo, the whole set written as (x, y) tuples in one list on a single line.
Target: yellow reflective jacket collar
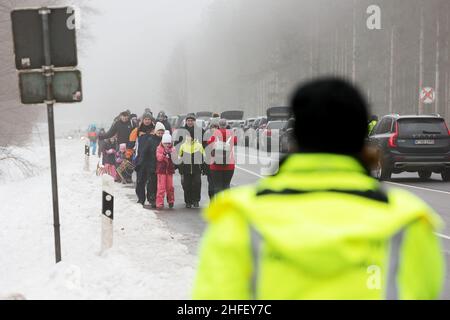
[(310, 172), (318, 162)]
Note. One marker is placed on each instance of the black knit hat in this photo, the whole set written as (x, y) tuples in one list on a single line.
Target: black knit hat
[(191, 116), (147, 115), (331, 117)]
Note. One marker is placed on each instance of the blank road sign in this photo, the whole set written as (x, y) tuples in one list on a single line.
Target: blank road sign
[(28, 38), (32, 87), (66, 87)]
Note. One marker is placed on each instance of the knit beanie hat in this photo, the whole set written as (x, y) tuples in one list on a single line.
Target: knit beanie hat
[(159, 126), (147, 115), (167, 138)]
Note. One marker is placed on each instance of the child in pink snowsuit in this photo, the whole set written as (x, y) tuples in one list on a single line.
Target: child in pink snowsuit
[(165, 171), (120, 157)]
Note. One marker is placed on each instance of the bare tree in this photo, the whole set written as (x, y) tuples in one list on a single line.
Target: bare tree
[(11, 110)]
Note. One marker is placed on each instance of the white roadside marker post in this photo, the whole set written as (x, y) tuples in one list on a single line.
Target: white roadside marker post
[(107, 213), (86, 156)]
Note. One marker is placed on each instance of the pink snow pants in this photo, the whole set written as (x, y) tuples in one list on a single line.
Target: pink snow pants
[(165, 186), (111, 170)]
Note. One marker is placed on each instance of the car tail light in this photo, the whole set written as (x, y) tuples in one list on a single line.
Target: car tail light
[(394, 137), (448, 130)]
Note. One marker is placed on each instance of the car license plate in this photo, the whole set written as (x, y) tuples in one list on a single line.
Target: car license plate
[(421, 142)]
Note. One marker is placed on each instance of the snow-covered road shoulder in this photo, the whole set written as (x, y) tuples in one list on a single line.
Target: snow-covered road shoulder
[(146, 261)]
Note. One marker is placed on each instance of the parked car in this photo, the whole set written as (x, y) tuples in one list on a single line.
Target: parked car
[(202, 124), (261, 126), (180, 120), (273, 128), (233, 115), (248, 123), (204, 115), (173, 121), (279, 113), (287, 137), (412, 144)]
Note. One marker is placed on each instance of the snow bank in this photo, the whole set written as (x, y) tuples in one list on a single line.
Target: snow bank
[(146, 261)]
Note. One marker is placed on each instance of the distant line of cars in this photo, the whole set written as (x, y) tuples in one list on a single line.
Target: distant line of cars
[(408, 143)]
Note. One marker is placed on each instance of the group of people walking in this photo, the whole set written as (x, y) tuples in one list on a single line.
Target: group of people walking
[(155, 151)]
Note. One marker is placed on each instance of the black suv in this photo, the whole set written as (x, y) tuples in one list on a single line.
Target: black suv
[(412, 144)]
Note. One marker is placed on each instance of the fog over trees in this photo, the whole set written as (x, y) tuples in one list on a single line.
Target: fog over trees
[(251, 54)]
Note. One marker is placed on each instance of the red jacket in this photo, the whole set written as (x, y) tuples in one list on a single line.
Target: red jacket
[(224, 135), (164, 163)]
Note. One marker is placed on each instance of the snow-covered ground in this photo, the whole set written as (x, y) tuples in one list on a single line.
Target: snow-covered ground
[(146, 262)]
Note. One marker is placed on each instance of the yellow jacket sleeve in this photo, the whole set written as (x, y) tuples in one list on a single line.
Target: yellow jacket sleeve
[(225, 264), (422, 267)]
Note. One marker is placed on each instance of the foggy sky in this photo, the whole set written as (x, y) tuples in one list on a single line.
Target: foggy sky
[(122, 64)]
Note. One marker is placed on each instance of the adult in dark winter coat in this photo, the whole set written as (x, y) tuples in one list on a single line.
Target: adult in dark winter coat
[(191, 129), (146, 165), (121, 128), (101, 142), (162, 117), (146, 126)]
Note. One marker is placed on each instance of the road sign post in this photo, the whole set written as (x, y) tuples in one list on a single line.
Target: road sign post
[(48, 73), (43, 39)]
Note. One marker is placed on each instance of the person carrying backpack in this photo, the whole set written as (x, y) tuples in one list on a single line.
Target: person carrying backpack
[(93, 137), (222, 163)]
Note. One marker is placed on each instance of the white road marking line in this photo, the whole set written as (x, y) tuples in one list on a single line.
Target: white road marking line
[(420, 188), (248, 171), (259, 156), (442, 236), (438, 234)]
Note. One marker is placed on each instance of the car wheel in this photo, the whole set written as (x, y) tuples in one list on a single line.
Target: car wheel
[(382, 172), (446, 175), (424, 174)]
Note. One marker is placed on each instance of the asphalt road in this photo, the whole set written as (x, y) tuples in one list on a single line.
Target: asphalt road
[(190, 225)]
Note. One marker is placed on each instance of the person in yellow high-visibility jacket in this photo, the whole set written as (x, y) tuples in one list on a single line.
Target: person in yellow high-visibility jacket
[(322, 227), (372, 124)]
